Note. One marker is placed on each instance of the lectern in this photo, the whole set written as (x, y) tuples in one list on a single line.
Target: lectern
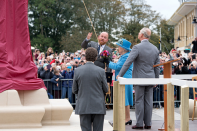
[(167, 74)]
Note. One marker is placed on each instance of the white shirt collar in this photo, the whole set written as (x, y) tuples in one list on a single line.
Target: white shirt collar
[(103, 46)]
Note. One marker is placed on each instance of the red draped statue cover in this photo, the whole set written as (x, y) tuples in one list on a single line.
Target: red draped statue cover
[(17, 69)]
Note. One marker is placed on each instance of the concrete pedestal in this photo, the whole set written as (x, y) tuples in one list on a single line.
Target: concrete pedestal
[(31, 109)]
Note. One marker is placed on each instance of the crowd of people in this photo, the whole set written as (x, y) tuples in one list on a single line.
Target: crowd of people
[(66, 63), (57, 70)]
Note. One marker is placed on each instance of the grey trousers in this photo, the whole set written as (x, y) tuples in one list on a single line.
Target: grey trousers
[(143, 105), (87, 121)]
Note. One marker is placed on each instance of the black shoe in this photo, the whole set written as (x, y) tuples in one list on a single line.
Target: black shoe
[(147, 127), (136, 127), (128, 122)]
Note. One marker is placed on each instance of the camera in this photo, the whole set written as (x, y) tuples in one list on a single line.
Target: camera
[(191, 64)]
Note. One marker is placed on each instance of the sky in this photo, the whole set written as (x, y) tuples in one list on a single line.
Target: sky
[(165, 7)]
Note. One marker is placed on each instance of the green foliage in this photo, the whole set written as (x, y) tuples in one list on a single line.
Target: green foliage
[(140, 15), (64, 24), (167, 33), (51, 19), (42, 43)]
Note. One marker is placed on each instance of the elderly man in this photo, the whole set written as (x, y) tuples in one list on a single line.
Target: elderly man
[(143, 56), (100, 46), (90, 88)]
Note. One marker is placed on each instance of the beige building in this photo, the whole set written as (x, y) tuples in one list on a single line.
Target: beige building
[(182, 20)]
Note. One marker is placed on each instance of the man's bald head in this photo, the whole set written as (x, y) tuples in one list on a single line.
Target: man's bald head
[(104, 33), (144, 33), (103, 38)]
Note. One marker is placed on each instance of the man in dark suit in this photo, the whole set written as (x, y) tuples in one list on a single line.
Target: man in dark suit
[(90, 84), (143, 56), (100, 46)]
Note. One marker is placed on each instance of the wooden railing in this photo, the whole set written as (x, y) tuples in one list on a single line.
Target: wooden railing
[(119, 99)]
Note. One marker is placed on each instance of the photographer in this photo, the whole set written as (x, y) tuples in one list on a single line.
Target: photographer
[(76, 64), (182, 67), (192, 69)]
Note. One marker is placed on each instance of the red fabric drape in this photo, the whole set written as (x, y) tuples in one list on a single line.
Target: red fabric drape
[(17, 69)]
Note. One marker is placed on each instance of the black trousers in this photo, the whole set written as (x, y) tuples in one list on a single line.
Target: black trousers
[(89, 121)]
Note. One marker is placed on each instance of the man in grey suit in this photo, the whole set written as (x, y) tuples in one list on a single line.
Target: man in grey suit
[(101, 46), (143, 56), (90, 84)]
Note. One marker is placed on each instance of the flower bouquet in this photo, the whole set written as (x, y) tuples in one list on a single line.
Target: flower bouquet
[(105, 55)]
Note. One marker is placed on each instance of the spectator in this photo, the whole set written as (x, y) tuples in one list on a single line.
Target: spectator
[(82, 62), (192, 69), (63, 67), (72, 57), (182, 67), (62, 61), (57, 84), (49, 52), (41, 56), (53, 65), (68, 59), (56, 53), (67, 89), (194, 48), (83, 57), (37, 54), (47, 74), (76, 64)]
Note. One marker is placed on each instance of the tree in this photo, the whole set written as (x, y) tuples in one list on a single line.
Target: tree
[(48, 22), (106, 15), (140, 15), (167, 35)]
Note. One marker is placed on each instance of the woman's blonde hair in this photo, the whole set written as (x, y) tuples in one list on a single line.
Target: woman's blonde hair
[(48, 51)]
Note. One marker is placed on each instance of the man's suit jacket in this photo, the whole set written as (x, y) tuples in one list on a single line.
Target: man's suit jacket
[(90, 84), (99, 62), (143, 56)]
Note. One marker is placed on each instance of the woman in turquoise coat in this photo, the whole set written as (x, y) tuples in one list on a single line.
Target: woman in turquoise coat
[(124, 50)]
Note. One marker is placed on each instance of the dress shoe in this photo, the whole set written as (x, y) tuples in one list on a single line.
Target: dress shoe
[(129, 122), (136, 127), (147, 127)]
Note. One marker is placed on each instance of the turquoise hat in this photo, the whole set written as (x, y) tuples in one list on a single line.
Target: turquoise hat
[(124, 44), (45, 65)]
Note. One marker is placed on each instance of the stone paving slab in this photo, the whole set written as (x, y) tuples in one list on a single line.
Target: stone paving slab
[(158, 125), (158, 114)]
